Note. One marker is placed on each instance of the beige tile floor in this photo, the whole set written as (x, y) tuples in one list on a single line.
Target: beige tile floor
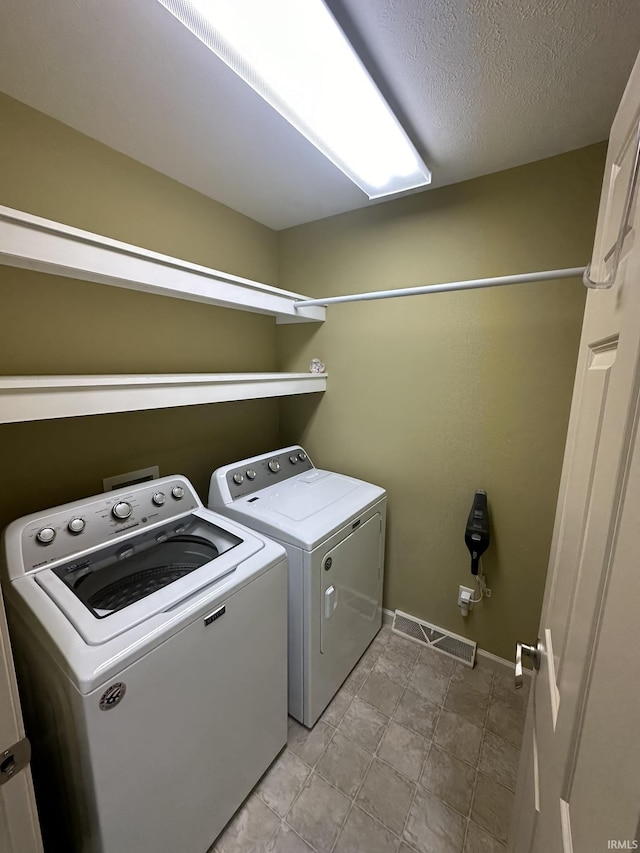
[(416, 754)]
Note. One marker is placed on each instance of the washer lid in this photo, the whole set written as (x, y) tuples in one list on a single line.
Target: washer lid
[(108, 591)]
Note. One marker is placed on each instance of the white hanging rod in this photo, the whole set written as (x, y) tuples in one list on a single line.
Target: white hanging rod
[(523, 278)]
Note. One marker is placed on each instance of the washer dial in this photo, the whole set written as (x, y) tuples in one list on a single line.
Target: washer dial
[(46, 535), (251, 474), (302, 456), (121, 510), (274, 466), (76, 525), (159, 498), (238, 479), (177, 492)]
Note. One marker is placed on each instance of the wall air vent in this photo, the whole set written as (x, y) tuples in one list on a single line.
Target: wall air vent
[(449, 644)]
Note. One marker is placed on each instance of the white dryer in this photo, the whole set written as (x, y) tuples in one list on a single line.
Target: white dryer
[(333, 529), (150, 642)]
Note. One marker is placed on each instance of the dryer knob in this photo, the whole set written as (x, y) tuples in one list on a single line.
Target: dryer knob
[(46, 535), (121, 510), (238, 479), (302, 456), (274, 466), (251, 474), (293, 460), (177, 492)]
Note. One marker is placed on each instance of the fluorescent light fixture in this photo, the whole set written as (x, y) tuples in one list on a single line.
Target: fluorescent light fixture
[(296, 57)]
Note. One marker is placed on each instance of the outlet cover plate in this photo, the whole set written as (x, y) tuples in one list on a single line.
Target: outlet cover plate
[(462, 589)]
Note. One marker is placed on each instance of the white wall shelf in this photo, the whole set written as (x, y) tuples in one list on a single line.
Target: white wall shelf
[(34, 398), (31, 242)]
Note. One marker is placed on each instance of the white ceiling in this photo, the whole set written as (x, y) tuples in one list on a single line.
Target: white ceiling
[(481, 85)]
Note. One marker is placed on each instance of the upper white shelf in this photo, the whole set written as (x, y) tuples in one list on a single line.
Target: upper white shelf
[(35, 398), (31, 242)]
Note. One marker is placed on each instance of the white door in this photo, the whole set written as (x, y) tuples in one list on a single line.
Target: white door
[(19, 829), (579, 782)]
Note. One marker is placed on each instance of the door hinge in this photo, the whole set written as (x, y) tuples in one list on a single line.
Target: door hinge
[(14, 759)]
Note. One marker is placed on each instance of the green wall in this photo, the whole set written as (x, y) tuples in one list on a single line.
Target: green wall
[(52, 325), (430, 397), (435, 396)]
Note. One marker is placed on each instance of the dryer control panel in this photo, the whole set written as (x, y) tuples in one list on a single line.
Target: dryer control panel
[(76, 527), (257, 473)]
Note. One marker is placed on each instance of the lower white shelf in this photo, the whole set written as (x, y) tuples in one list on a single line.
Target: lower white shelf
[(35, 398)]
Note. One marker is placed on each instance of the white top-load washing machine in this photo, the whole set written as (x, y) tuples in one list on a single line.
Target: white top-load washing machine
[(333, 529), (150, 641)]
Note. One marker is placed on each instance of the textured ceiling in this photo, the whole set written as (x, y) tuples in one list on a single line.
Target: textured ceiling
[(481, 85)]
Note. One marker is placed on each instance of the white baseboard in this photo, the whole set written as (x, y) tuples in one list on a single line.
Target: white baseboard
[(487, 659), (493, 661)]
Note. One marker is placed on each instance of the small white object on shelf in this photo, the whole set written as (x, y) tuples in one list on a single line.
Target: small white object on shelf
[(316, 366)]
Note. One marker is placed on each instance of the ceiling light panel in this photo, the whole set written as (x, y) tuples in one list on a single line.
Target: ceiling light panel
[(296, 57)]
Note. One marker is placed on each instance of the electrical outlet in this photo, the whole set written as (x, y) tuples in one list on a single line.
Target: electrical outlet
[(469, 593)]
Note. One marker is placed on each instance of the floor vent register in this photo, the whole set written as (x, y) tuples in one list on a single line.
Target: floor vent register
[(438, 639)]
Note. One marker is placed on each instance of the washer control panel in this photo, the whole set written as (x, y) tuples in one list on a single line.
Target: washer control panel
[(82, 525), (260, 472)]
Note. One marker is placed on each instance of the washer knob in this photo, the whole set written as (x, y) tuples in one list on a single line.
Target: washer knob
[(177, 492), (302, 456), (121, 510), (251, 474), (46, 535), (238, 479), (274, 466), (76, 525), (293, 460), (159, 498)]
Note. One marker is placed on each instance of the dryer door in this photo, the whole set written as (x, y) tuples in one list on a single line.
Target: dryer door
[(351, 577)]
